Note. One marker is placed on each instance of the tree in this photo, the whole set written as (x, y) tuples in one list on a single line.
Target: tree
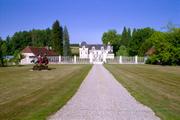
[(48, 37), (164, 47), (17, 57), (4, 52), (166, 53), (66, 47), (110, 36), (134, 31), (113, 37), (57, 37), (129, 35), (145, 47), (174, 37), (126, 36), (41, 38), (1, 53), (20, 40), (4, 48), (122, 51), (9, 45), (138, 38)]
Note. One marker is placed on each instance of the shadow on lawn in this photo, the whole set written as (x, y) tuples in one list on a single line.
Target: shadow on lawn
[(43, 69)]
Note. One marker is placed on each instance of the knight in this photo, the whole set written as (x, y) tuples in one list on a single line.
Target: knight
[(40, 60), (45, 59)]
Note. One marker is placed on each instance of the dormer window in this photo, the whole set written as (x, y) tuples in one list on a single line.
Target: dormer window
[(108, 47), (83, 47), (93, 48), (111, 48), (102, 48)]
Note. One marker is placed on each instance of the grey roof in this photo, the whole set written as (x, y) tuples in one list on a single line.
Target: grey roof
[(110, 52), (83, 44), (97, 46)]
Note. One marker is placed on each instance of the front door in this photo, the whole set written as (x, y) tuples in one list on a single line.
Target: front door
[(97, 58)]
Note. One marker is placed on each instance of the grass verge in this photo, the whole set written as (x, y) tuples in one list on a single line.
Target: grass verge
[(34, 95), (155, 86)]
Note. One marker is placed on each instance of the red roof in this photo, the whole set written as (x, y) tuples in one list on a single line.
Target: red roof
[(39, 50)]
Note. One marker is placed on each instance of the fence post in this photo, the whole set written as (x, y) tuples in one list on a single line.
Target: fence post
[(74, 59), (145, 58), (104, 58), (136, 59), (120, 59), (59, 59), (90, 58)]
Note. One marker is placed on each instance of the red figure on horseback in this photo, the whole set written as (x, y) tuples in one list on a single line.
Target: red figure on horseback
[(41, 63)]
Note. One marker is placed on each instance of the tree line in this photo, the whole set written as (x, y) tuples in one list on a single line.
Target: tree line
[(166, 45), (56, 37)]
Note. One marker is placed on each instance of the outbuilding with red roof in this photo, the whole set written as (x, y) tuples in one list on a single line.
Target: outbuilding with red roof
[(30, 53)]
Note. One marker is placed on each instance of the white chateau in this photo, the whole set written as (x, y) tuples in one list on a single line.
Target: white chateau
[(97, 53)]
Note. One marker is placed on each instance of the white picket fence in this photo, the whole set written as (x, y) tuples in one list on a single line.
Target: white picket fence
[(77, 60), (127, 60)]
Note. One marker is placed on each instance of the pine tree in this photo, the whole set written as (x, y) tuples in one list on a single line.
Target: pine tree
[(4, 48), (134, 31), (129, 34), (1, 53), (57, 37), (124, 38), (9, 46), (66, 47)]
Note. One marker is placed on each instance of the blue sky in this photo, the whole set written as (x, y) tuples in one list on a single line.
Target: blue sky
[(86, 19)]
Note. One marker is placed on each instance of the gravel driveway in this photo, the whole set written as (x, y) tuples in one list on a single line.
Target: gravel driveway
[(101, 97)]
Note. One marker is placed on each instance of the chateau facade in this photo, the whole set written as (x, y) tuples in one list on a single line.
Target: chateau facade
[(96, 52)]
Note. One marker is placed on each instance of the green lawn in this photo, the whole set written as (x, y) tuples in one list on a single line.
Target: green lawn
[(155, 86), (34, 95)]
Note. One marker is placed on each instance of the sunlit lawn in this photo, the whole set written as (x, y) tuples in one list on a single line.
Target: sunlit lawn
[(34, 95), (155, 86)]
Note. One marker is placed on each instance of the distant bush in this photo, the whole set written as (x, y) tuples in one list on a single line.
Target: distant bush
[(153, 60)]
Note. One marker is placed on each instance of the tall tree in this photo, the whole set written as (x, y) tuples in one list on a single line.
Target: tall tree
[(1, 53), (4, 48), (113, 37), (134, 32), (20, 40), (9, 45), (66, 47), (57, 37), (167, 48), (110, 36), (122, 51), (125, 37), (129, 35), (48, 37), (138, 38)]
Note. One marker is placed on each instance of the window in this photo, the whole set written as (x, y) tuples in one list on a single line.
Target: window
[(93, 48), (31, 56), (102, 48), (83, 47)]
